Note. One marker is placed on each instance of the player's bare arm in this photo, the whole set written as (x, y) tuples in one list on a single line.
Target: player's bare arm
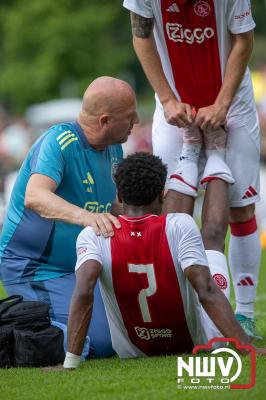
[(40, 196), (176, 113), (81, 308), (81, 305), (215, 115), (215, 303)]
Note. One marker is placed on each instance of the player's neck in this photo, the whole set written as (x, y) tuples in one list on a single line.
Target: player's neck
[(139, 211)]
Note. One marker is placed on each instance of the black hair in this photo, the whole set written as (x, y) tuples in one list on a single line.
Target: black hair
[(140, 178)]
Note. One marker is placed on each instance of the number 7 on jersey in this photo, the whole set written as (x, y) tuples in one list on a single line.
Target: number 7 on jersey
[(149, 291)]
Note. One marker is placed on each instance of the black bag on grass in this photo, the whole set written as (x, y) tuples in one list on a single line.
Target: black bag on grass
[(27, 338)]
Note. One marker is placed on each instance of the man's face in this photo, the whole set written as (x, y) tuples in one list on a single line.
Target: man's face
[(121, 123)]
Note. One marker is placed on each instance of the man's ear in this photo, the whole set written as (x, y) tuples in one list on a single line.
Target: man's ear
[(103, 120)]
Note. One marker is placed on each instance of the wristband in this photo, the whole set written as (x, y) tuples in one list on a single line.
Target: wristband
[(71, 360)]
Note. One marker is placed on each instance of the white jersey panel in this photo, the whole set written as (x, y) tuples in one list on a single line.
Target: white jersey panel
[(186, 244)]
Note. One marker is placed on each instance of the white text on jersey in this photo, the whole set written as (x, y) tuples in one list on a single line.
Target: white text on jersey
[(177, 33)]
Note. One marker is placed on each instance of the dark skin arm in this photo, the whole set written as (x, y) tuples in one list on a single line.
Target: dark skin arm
[(216, 305), (81, 305)]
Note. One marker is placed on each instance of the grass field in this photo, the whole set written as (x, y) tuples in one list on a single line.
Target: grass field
[(149, 378)]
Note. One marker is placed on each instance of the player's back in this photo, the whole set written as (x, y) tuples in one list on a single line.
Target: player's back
[(150, 305), (147, 288)]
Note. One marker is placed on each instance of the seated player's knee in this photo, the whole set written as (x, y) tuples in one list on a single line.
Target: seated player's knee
[(242, 214), (213, 235)]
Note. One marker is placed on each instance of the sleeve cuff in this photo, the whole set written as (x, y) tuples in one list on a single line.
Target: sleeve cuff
[(194, 263), (90, 257), (57, 179), (136, 10), (243, 28)]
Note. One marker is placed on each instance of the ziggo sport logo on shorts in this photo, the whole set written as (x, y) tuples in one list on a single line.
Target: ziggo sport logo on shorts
[(177, 33), (221, 369)]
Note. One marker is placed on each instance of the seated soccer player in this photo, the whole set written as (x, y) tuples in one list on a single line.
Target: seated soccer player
[(154, 275)]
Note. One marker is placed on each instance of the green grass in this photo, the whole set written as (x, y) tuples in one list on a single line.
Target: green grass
[(115, 379)]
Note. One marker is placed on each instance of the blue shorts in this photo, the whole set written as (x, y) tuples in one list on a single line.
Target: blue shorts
[(57, 293)]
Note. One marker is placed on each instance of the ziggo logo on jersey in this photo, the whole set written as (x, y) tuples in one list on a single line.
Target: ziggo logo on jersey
[(177, 33)]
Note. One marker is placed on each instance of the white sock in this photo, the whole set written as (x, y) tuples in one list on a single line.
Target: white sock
[(216, 167), (219, 270), (244, 261), (185, 177)]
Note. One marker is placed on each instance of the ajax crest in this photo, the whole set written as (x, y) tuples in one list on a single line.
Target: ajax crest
[(202, 8)]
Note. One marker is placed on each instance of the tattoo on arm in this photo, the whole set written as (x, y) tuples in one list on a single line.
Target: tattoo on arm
[(141, 27)]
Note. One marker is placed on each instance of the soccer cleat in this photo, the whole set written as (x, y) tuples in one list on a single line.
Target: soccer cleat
[(248, 324)]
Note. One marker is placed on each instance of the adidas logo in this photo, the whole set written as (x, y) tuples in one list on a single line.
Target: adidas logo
[(247, 281), (173, 8), (251, 192)]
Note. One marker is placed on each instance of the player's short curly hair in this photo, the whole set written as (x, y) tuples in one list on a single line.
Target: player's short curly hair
[(140, 178)]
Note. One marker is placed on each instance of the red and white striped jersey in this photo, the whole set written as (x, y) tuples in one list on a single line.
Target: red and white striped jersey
[(151, 307), (194, 40)]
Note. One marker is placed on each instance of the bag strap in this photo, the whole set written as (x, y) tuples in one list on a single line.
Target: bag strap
[(11, 301)]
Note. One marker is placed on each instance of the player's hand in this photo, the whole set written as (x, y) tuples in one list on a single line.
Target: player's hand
[(177, 113), (211, 117), (102, 224)]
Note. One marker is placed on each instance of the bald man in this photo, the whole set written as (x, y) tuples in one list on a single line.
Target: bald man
[(65, 184)]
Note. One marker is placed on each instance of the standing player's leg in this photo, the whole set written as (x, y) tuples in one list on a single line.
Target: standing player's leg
[(243, 157)]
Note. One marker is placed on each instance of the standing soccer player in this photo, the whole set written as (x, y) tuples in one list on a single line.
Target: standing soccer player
[(195, 53)]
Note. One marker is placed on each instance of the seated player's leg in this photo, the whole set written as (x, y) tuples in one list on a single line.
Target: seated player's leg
[(167, 142), (215, 216), (243, 157), (185, 177), (215, 213)]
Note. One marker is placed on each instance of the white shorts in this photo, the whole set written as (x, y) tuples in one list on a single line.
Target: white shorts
[(242, 154)]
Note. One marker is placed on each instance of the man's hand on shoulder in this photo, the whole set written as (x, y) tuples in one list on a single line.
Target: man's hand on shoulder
[(177, 113), (211, 117), (102, 223)]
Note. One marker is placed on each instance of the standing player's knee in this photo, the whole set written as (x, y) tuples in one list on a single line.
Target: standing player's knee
[(242, 214)]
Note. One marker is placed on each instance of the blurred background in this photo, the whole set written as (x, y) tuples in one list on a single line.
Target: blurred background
[(50, 51)]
